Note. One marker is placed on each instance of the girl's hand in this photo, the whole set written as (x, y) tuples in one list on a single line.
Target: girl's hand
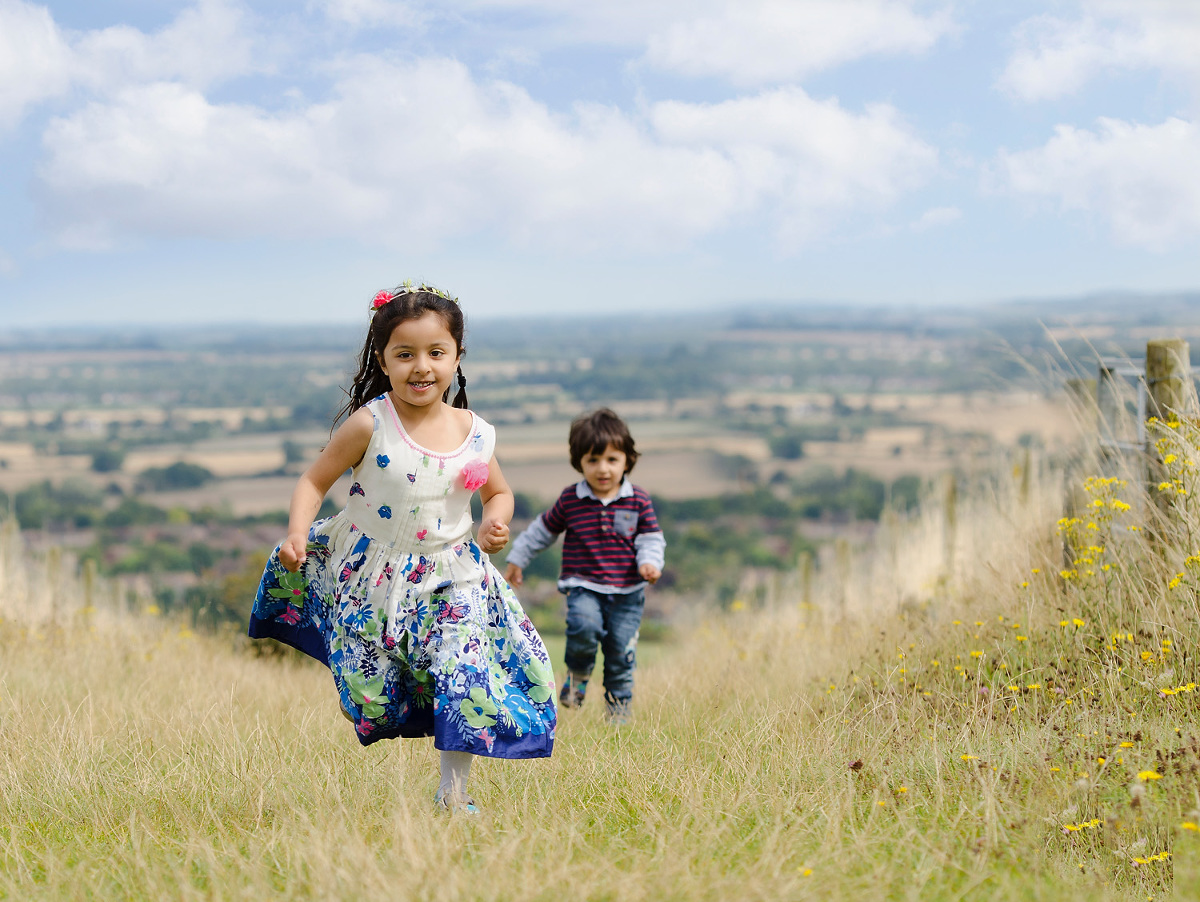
[(514, 575), (493, 535), (649, 573), (294, 551)]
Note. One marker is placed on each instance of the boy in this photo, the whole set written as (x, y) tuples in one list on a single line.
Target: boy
[(612, 549)]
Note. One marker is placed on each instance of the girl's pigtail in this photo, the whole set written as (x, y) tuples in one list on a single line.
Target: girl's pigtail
[(369, 382), (460, 399)]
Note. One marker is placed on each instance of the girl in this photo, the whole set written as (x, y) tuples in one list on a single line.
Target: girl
[(422, 634)]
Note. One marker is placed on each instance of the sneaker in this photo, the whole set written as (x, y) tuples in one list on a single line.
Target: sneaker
[(462, 805), (618, 712), (574, 691)]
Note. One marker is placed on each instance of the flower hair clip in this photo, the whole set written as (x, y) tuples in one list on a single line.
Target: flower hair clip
[(385, 297)]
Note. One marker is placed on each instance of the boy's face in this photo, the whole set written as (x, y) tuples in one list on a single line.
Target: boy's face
[(604, 471)]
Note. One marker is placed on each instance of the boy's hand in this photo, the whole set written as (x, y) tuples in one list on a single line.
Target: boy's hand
[(514, 575), (493, 535), (293, 552), (649, 573)]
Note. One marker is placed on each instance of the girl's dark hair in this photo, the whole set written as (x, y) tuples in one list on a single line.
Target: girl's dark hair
[(595, 431), (397, 305)]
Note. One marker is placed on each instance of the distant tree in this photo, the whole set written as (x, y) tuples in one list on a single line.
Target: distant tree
[(134, 512), (179, 475), (906, 492), (789, 446), (201, 556), (293, 452), (44, 505), (108, 459)]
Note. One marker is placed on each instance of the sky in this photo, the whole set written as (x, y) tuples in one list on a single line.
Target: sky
[(279, 161)]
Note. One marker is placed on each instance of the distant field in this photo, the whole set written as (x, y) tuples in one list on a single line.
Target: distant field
[(687, 456)]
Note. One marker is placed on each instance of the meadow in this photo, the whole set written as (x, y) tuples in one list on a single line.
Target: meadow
[(953, 712)]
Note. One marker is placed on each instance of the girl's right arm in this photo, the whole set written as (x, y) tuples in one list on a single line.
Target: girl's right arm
[(344, 451)]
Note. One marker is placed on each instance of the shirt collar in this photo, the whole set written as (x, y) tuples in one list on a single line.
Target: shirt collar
[(583, 490)]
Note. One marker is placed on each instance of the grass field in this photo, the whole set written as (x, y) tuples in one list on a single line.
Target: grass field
[(948, 717)]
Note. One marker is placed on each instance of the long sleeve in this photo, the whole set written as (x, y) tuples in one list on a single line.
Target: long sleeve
[(651, 548), (536, 537)]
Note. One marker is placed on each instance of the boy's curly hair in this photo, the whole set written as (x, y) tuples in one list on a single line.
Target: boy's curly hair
[(595, 431)]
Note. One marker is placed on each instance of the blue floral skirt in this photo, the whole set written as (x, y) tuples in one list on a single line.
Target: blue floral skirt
[(419, 644)]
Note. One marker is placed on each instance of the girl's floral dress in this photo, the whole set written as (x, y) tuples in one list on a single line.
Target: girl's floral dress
[(423, 635)]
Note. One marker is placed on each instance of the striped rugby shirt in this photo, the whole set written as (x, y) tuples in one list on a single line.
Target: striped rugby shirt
[(605, 542)]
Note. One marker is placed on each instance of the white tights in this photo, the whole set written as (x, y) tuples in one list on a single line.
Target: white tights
[(456, 767)]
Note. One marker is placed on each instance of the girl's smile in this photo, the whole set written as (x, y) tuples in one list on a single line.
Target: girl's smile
[(420, 360)]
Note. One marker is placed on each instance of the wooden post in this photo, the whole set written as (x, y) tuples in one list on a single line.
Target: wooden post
[(1025, 477), (1168, 377), (949, 525), (54, 566), (1169, 391), (842, 552), (90, 576), (806, 578), (1110, 416)]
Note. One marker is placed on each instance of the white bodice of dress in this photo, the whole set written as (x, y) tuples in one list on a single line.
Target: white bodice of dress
[(412, 498)]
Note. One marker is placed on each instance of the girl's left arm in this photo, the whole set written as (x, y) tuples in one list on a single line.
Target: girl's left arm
[(498, 502)]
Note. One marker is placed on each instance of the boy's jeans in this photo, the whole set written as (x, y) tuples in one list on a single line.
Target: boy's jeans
[(610, 622)]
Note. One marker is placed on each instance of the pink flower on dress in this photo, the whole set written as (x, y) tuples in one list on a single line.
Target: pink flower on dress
[(475, 474), (380, 299)]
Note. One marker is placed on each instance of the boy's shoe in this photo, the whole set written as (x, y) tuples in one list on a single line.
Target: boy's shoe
[(619, 713), (464, 804), (574, 691)]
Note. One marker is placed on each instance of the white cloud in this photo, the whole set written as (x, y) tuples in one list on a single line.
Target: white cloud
[(212, 41), (936, 216), (374, 13), (208, 43), (802, 159), (8, 266), (748, 42), (760, 41), (423, 153), (1056, 56), (34, 58), (1141, 179)]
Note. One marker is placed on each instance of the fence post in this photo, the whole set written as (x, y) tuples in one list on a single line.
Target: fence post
[(949, 525), (806, 576), (842, 559), (1168, 386), (1168, 376)]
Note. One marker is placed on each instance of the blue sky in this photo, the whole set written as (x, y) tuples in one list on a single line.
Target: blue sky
[(260, 160)]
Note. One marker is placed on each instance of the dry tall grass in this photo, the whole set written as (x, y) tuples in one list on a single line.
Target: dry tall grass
[(924, 728)]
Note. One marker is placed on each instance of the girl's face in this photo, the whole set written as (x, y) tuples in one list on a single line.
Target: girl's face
[(420, 360)]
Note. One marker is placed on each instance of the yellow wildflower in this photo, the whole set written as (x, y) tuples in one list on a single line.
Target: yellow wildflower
[(1149, 775), (1161, 856)]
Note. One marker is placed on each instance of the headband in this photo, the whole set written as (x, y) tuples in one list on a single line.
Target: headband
[(386, 297)]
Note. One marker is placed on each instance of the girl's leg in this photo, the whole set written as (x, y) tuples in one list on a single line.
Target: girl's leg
[(456, 768), (622, 620)]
